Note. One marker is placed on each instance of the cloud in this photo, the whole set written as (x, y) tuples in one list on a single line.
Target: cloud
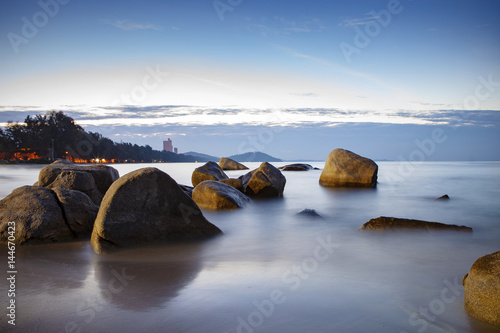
[(351, 23), (282, 26), (307, 94), (129, 26)]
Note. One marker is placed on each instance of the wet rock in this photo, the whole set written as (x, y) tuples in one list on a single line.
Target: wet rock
[(296, 167), (229, 164), (78, 211), (37, 215), (73, 179), (309, 213), (443, 197), (398, 224), (344, 168), (208, 171), (233, 182), (79, 181), (266, 181), (215, 195), (482, 289), (187, 189), (147, 207)]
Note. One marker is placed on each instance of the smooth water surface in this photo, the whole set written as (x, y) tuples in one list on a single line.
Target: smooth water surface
[(274, 270)]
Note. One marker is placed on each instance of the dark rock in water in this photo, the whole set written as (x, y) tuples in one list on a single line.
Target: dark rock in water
[(93, 180), (45, 216), (482, 289), (397, 224), (266, 181), (310, 213), (233, 182), (344, 168), (147, 207), (78, 210), (216, 195), (187, 189), (80, 181), (296, 167), (229, 164), (444, 197), (208, 171)]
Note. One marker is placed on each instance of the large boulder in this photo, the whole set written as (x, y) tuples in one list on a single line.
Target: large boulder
[(147, 207), (344, 168), (384, 223), (77, 180), (229, 164), (211, 194), (482, 289), (40, 217), (78, 210), (296, 167), (266, 181), (102, 175), (187, 189), (208, 171), (233, 182)]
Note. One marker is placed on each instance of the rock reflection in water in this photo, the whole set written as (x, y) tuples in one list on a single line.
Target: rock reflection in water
[(145, 279)]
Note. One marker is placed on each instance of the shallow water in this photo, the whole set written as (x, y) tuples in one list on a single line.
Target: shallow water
[(273, 270)]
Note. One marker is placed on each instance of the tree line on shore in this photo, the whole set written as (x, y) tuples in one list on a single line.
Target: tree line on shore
[(43, 138)]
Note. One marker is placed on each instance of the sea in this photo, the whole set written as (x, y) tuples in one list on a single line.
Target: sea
[(274, 270)]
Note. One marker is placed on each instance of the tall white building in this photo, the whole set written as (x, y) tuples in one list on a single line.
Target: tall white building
[(168, 146)]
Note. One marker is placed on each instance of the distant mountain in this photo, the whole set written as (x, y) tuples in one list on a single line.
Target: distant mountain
[(256, 156), (202, 157)]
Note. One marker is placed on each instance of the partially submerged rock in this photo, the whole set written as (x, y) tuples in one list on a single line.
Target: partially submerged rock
[(482, 289), (70, 176), (233, 182), (344, 168), (45, 216), (296, 167), (443, 197), (78, 210), (384, 223), (147, 207), (215, 195), (309, 213), (266, 181), (229, 164), (187, 189), (79, 181), (208, 171)]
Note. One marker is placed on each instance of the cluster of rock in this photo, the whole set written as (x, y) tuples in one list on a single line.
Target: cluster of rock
[(147, 206), (70, 201), (213, 189), (61, 206)]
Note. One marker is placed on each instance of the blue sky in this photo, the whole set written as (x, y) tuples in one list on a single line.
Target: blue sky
[(212, 74)]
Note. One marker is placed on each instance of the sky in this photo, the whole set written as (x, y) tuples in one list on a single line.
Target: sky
[(295, 79)]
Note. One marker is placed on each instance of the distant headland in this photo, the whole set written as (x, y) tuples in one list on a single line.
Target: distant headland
[(46, 138)]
